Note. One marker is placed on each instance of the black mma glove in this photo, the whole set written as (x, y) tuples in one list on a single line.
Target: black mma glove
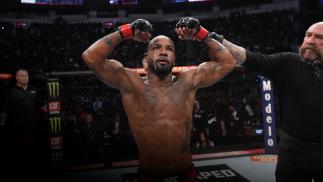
[(190, 22), (127, 30)]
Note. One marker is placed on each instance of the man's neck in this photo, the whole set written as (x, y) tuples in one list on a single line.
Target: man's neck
[(154, 80), (316, 63), (23, 86)]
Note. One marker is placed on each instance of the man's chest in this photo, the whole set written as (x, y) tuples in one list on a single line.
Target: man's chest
[(165, 98), (18, 96), (301, 75), (304, 83)]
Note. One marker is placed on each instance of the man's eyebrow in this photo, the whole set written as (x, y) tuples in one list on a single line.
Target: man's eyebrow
[(155, 43), (170, 46), (317, 34)]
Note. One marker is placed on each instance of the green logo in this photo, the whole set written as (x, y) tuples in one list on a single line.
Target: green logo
[(57, 160), (53, 88), (55, 125)]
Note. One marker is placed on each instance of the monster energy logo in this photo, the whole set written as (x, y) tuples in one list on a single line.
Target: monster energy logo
[(53, 88), (55, 125), (57, 160)]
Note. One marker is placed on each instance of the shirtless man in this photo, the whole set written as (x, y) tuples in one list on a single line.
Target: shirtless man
[(159, 109)]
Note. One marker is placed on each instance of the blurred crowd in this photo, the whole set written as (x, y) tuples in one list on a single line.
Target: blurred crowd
[(55, 47)]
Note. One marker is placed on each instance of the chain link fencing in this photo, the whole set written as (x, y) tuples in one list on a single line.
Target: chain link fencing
[(226, 116)]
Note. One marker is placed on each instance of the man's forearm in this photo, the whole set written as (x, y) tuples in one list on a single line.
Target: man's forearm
[(239, 53), (219, 52)]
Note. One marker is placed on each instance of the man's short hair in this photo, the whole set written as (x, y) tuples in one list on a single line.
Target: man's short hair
[(22, 69)]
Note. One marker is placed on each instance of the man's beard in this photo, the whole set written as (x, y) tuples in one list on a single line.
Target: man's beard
[(317, 56), (161, 70)]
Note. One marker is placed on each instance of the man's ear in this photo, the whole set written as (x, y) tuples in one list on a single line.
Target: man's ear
[(144, 61)]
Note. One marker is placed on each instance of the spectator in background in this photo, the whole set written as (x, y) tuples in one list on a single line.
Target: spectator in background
[(90, 136), (235, 124), (204, 141), (199, 120), (66, 41), (21, 113), (217, 129), (116, 130)]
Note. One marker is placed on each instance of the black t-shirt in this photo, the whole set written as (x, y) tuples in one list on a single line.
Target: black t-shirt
[(21, 107), (300, 92)]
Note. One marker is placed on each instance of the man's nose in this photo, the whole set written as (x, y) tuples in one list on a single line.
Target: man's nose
[(163, 52)]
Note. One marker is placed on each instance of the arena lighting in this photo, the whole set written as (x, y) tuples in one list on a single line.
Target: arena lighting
[(183, 1), (140, 71), (52, 2), (5, 76), (198, 0), (175, 70), (21, 24), (28, 1), (122, 2)]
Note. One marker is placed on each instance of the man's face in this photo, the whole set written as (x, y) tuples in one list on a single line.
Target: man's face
[(160, 56), (202, 137), (312, 47), (22, 77)]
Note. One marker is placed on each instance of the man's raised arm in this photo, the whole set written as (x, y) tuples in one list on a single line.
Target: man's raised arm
[(238, 52), (112, 72), (222, 62)]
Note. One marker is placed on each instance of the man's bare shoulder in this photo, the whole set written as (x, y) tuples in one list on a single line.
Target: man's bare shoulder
[(133, 73), (136, 81), (185, 75)]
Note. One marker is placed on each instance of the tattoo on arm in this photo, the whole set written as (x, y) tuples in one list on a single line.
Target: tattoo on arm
[(219, 48), (108, 41), (214, 46), (239, 53)]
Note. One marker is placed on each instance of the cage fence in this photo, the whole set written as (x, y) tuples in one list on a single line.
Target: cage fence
[(94, 129)]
